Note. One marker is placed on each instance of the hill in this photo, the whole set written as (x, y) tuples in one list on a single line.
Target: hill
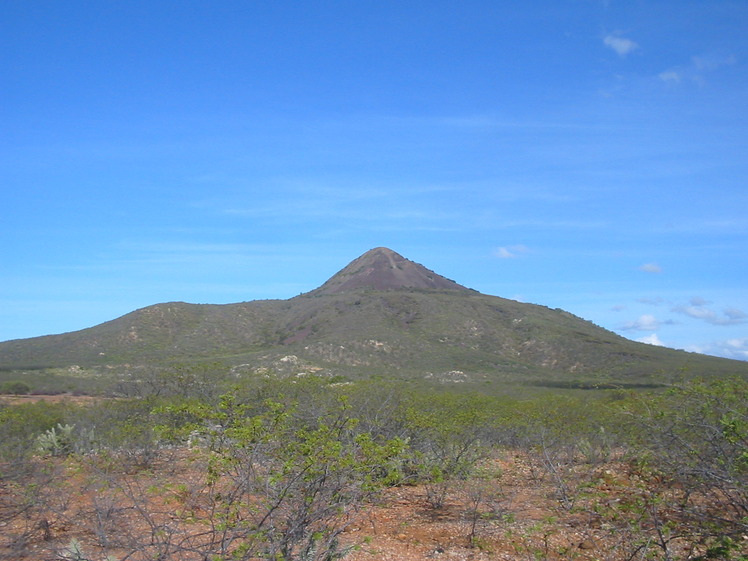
[(380, 315)]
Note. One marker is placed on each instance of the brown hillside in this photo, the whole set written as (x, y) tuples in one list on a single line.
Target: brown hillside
[(383, 269)]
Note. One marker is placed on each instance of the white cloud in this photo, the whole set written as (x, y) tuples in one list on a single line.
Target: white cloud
[(671, 76), (676, 75), (620, 45), (698, 310), (646, 322), (652, 339), (651, 268), (695, 70), (736, 348), (712, 61), (503, 253), (510, 252)]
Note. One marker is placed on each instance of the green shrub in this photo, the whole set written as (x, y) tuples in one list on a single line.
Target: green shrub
[(695, 439), (280, 487), (57, 441), (19, 427), (15, 388)]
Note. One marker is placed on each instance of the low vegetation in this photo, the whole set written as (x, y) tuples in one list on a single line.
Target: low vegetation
[(182, 466)]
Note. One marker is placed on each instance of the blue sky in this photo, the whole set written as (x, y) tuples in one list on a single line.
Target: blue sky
[(584, 155)]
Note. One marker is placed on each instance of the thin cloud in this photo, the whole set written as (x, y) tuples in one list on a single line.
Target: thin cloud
[(651, 268), (619, 44), (736, 315), (699, 310), (712, 62), (510, 252), (696, 69), (671, 76)]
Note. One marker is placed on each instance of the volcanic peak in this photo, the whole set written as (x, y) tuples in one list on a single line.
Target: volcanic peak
[(383, 269)]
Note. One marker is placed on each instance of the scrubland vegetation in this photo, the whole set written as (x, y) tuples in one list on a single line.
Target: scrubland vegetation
[(180, 466)]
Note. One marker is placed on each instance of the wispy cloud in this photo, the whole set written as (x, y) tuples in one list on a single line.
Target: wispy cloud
[(672, 76), (510, 252), (712, 61), (699, 301), (696, 69), (651, 268), (620, 45), (698, 309)]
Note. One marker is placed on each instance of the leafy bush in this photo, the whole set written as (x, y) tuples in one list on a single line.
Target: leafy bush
[(694, 440), (448, 433), (15, 388), (19, 427), (277, 487)]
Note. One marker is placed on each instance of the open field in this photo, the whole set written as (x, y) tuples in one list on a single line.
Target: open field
[(318, 472)]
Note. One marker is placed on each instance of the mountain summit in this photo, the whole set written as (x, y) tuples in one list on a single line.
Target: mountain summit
[(383, 269)]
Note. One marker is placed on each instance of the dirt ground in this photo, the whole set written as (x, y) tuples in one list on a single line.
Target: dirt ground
[(512, 511), (513, 516)]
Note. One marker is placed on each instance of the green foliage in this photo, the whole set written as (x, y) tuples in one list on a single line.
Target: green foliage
[(202, 381), (119, 428), (698, 432), (19, 427), (695, 438), (724, 548), (54, 380), (448, 434), (283, 464), (15, 388), (57, 441), (283, 487), (402, 333)]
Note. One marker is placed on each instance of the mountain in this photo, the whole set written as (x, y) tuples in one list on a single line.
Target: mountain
[(383, 269), (380, 315)]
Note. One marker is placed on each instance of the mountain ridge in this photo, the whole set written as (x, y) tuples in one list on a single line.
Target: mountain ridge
[(380, 315)]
